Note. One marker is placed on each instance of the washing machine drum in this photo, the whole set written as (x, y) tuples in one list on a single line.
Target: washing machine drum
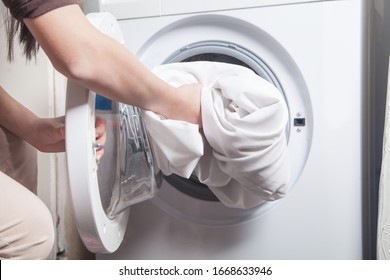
[(102, 192)]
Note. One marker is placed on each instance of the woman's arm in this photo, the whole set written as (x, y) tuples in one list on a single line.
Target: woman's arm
[(94, 60), (45, 134)]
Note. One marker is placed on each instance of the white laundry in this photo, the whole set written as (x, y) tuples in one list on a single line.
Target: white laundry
[(241, 152)]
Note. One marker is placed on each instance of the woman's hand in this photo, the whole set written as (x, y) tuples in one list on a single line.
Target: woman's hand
[(189, 108), (100, 128), (45, 134), (48, 135)]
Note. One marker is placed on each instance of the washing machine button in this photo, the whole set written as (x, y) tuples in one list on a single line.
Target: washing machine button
[(299, 121)]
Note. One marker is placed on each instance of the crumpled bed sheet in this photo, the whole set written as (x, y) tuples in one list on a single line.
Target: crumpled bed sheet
[(241, 151)]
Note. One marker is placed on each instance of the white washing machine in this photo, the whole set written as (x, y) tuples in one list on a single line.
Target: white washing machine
[(314, 52)]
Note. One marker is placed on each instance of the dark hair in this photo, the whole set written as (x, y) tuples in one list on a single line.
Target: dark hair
[(17, 28)]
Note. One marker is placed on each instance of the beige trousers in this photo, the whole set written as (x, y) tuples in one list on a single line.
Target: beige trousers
[(26, 226)]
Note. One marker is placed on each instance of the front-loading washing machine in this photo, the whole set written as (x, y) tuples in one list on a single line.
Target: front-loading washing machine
[(314, 53)]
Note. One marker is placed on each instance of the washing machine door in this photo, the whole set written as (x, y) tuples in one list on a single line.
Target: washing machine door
[(103, 192)]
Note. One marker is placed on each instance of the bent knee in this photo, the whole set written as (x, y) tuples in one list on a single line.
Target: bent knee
[(30, 237)]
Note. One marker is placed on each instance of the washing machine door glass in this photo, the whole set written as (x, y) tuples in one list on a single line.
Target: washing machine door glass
[(126, 173), (103, 191)]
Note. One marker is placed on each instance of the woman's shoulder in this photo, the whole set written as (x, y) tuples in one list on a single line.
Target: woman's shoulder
[(33, 8)]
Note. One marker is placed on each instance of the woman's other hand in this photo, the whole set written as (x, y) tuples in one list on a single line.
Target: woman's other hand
[(101, 136), (48, 135)]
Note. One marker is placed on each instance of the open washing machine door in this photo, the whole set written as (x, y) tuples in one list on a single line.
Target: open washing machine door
[(102, 193)]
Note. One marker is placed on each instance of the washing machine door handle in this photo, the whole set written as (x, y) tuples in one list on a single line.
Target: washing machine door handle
[(103, 192)]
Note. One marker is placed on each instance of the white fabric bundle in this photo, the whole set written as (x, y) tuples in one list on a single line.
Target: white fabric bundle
[(241, 152)]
